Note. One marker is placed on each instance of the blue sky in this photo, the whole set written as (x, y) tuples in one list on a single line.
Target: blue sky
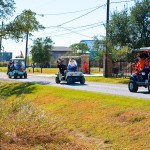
[(60, 16)]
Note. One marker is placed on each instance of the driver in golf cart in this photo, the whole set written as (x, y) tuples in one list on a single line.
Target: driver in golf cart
[(141, 75), (142, 63), (62, 67)]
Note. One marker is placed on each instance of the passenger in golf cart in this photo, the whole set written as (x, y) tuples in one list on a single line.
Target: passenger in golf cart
[(72, 65), (141, 75)]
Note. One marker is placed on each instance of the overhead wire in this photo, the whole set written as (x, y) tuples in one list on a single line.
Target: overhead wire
[(76, 32), (69, 28)]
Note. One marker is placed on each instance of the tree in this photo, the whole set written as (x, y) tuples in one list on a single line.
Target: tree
[(23, 24), (41, 51), (79, 48), (119, 28), (6, 8), (131, 28), (98, 50), (140, 23)]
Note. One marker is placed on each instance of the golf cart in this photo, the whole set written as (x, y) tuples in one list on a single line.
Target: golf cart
[(17, 68), (142, 78), (70, 76)]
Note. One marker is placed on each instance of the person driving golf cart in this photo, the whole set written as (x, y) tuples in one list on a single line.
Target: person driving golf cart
[(62, 67), (72, 65)]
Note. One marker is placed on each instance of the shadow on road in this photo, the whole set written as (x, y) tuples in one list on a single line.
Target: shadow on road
[(144, 92), (75, 84)]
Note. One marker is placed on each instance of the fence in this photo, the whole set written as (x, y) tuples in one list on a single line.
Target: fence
[(122, 69)]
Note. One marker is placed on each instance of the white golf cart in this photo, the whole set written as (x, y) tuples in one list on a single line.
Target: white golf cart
[(69, 76), (17, 68)]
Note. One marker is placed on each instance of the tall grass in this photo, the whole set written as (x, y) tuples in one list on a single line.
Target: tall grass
[(23, 126), (57, 118)]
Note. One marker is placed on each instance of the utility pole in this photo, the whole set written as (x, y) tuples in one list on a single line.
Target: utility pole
[(26, 53), (107, 39)]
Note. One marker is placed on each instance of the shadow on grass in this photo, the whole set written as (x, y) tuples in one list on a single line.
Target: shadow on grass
[(40, 82), (16, 89)]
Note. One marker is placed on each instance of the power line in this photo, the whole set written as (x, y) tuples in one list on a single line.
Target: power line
[(65, 13), (73, 27), (78, 27), (81, 15), (70, 28), (76, 32), (91, 12)]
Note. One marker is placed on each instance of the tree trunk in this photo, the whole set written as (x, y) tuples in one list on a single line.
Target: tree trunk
[(41, 68), (33, 67)]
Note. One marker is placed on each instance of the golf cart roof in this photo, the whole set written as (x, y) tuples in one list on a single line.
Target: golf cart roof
[(75, 57), (16, 59), (143, 49)]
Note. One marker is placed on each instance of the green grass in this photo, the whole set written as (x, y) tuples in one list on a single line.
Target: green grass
[(98, 121), (107, 80)]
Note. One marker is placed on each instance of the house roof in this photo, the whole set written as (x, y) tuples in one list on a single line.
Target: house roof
[(61, 48)]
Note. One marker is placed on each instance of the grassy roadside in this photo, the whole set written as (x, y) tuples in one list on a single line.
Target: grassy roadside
[(74, 119)]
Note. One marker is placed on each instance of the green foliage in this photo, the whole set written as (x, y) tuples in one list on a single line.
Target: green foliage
[(118, 28), (6, 8), (121, 54), (41, 50), (24, 23), (131, 28), (140, 21), (79, 48)]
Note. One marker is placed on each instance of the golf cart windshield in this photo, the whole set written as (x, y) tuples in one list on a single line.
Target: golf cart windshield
[(19, 62)]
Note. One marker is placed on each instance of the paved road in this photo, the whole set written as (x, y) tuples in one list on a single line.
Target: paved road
[(115, 89)]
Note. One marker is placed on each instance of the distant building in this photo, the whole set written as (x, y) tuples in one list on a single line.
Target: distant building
[(5, 56), (89, 43), (58, 51)]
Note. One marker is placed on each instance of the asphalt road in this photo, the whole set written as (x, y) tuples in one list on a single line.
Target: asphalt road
[(115, 89)]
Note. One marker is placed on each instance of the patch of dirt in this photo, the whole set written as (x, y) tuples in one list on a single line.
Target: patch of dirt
[(95, 141)]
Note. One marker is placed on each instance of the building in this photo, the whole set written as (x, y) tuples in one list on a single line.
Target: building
[(5, 56), (89, 43), (58, 51)]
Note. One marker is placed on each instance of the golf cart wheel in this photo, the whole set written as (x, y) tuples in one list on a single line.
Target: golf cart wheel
[(133, 87), (69, 80), (9, 76), (57, 80), (82, 80), (15, 75), (25, 75)]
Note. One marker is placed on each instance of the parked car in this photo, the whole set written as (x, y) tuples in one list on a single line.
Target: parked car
[(142, 78)]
